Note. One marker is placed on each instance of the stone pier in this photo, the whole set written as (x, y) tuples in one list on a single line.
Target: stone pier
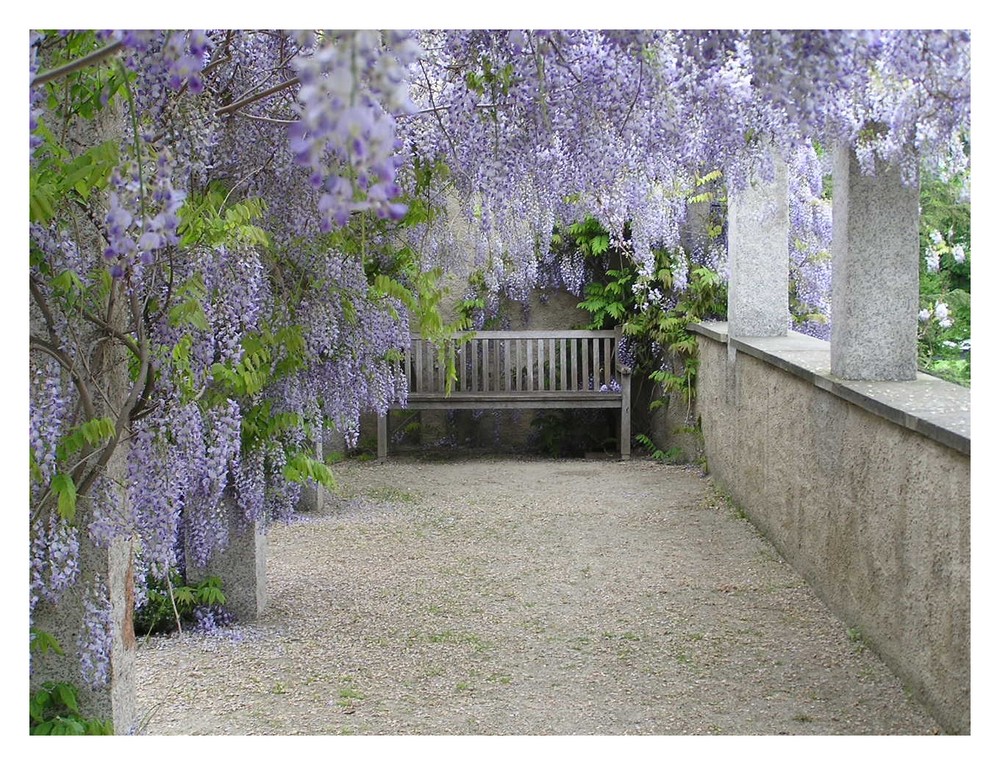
[(242, 566), (876, 275), (758, 256)]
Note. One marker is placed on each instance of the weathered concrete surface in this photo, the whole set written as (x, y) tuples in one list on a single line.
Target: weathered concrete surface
[(875, 515), (241, 566), (758, 264), (876, 278)]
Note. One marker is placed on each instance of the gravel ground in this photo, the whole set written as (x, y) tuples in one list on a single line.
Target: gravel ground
[(499, 596)]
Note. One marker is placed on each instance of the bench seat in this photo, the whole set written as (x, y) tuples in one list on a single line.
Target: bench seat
[(536, 369)]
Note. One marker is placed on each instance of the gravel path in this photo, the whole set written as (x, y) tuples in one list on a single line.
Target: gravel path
[(509, 596)]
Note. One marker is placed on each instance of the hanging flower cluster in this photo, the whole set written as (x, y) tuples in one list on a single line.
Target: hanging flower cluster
[(345, 136), (524, 130)]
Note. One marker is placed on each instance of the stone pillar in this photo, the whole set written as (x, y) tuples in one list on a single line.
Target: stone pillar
[(876, 276), (241, 566), (92, 619), (758, 256), (311, 498), (105, 583)]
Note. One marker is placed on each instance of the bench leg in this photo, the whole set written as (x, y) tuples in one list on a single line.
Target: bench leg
[(383, 441), (626, 428)]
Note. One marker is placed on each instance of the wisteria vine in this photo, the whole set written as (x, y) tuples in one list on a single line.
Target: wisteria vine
[(199, 315)]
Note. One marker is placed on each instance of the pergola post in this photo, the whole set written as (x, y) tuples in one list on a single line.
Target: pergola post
[(758, 256), (876, 277), (241, 565)]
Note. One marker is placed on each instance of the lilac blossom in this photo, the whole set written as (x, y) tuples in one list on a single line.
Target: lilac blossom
[(536, 128), (94, 640), (55, 551)]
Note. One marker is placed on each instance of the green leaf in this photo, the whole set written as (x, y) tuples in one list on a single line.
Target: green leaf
[(189, 312), (67, 696), (39, 704), (67, 726), (301, 467), (43, 642), (92, 432), (210, 592), (63, 485), (41, 200)]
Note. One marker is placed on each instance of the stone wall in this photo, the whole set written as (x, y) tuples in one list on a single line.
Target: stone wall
[(863, 487)]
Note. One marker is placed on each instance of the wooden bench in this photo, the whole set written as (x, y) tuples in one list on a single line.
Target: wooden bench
[(540, 369)]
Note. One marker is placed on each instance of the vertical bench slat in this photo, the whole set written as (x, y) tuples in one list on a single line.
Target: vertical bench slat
[(409, 367), (474, 351), (493, 366), (432, 363), (487, 347), (505, 364), (452, 361), (418, 372), (438, 369), (526, 360), (573, 371), (585, 358), (595, 349), (506, 360), (516, 358), (562, 362), (441, 369), (490, 377), (553, 371), (437, 362), (541, 364), (607, 361), (462, 365), (455, 353), (529, 363), (501, 365), (484, 371)]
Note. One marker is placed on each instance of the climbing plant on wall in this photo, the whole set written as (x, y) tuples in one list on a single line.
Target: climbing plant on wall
[(231, 231)]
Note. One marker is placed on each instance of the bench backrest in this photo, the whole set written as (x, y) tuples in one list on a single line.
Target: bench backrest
[(511, 362)]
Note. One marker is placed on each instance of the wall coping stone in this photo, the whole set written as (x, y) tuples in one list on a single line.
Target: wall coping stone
[(935, 408)]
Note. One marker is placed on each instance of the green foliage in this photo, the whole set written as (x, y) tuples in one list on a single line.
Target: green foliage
[(188, 311), (654, 313), (42, 642), (56, 175), (590, 237), (609, 301), (944, 332), (301, 467), (673, 454), (490, 79), (211, 219), (65, 489), (84, 92), (54, 711), (173, 601)]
